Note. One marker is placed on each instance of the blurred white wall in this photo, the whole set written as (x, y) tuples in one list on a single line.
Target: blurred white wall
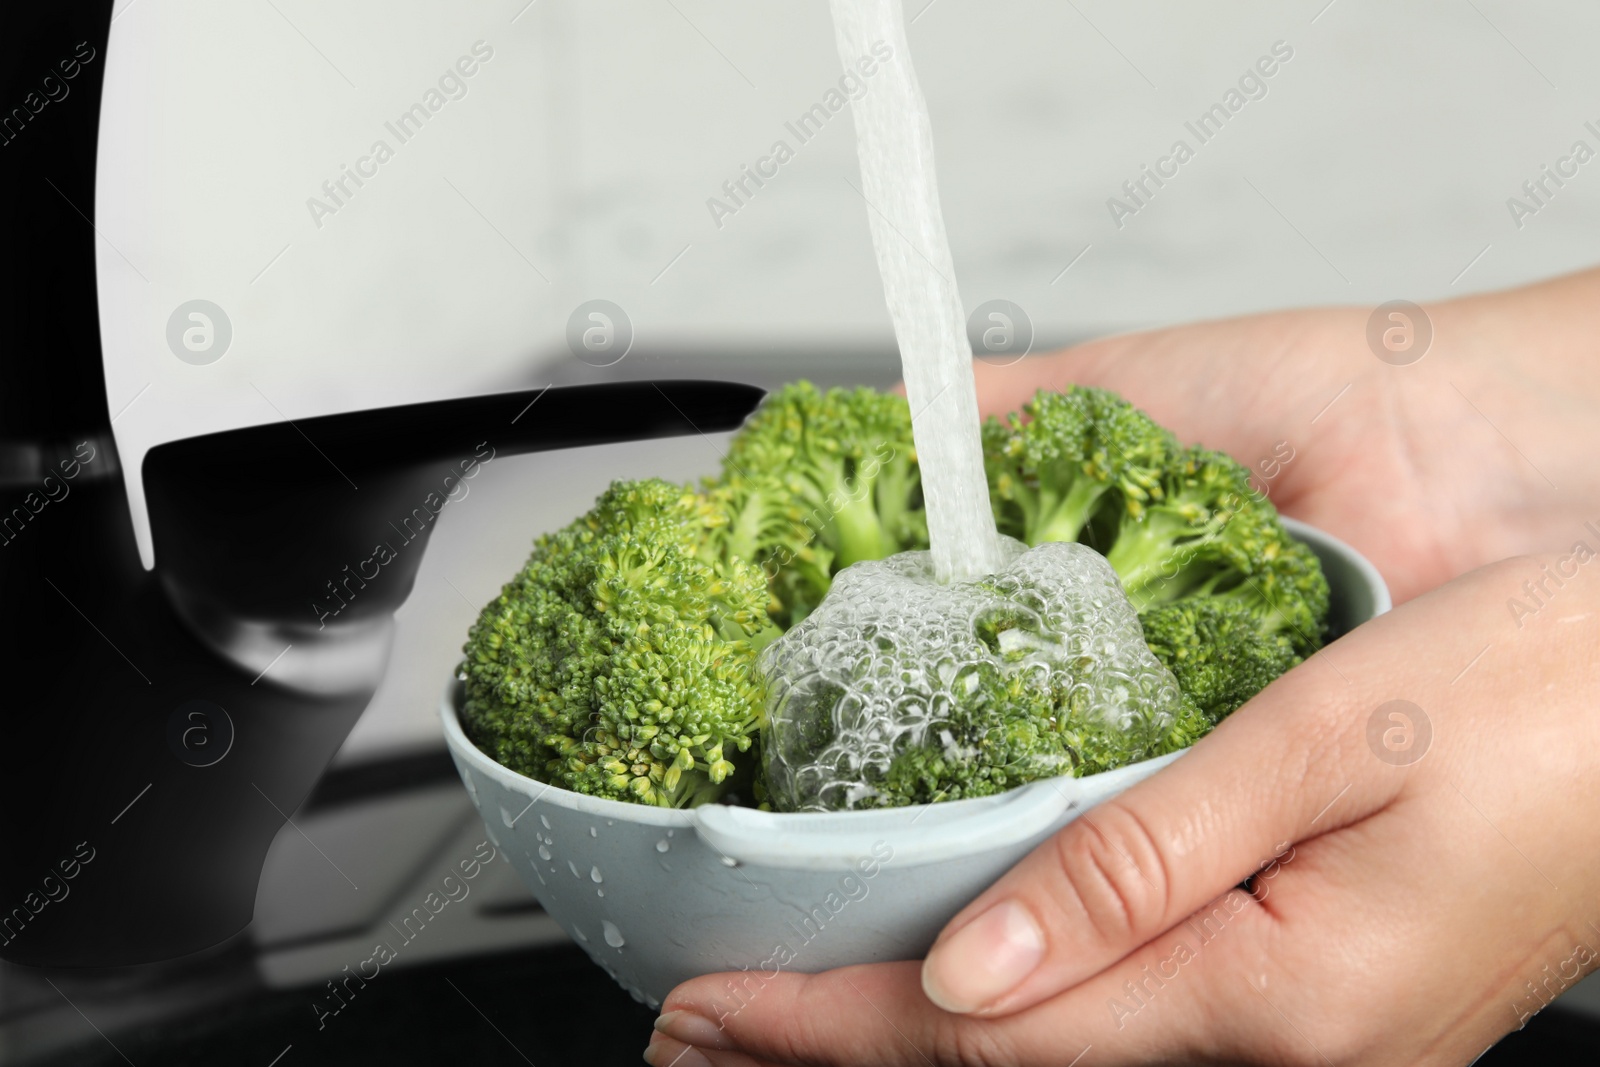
[(579, 161)]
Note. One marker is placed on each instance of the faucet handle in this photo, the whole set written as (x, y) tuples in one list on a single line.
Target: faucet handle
[(269, 535)]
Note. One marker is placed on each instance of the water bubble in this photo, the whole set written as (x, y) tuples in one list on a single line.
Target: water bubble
[(594, 875), (893, 660), (662, 845), (613, 935), (544, 853)]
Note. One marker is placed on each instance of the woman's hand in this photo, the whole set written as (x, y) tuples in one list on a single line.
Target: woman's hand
[(1488, 446), (1425, 874)]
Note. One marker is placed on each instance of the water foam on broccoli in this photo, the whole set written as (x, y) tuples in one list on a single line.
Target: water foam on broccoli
[(900, 690)]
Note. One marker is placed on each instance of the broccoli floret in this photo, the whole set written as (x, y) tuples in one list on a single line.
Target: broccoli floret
[(620, 661), (1014, 732), (1216, 648), (817, 481), (899, 690), (1175, 523), (1205, 525), (1286, 593), (1067, 457), (1210, 537)]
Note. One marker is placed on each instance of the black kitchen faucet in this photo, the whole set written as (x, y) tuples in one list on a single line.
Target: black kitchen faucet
[(164, 724)]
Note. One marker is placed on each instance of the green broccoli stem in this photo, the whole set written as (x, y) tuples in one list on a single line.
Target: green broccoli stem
[(1150, 559), (694, 788), (744, 532), (856, 525), (893, 494), (1065, 520)]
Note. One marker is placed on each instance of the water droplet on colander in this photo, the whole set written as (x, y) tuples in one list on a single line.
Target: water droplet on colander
[(594, 874), (613, 935), (729, 861), (574, 868), (599, 892), (544, 853), (651, 1002), (662, 845), (593, 832), (505, 816), (577, 933), (546, 822)]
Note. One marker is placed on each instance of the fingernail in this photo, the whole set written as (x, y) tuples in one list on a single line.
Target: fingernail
[(984, 960), (672, 1054), (693, 1029)]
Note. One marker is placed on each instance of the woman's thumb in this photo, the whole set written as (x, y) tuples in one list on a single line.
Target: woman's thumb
[(1135, 866)]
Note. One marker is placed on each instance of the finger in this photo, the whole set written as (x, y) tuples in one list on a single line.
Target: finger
[(1178, 993), (867, 1014), (1135, 865), (664, 1051)]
